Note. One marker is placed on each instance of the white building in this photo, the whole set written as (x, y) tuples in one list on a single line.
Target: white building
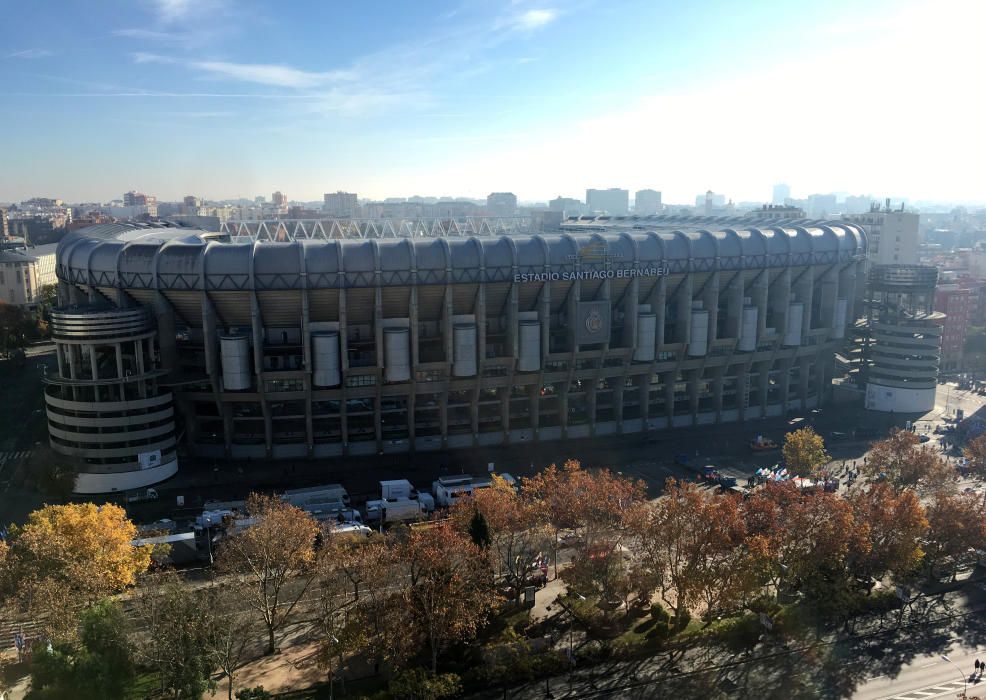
[(892, 235), (501, 203), (614, 201), (23, 271), (646, 202)]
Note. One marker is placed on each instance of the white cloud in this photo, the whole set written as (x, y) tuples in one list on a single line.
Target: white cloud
[(31, 53), (172, 10), (268, 74), (145, 57), (531, 19), (150, 35)]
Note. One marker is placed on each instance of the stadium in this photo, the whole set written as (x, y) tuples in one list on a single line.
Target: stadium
[(288, 340)]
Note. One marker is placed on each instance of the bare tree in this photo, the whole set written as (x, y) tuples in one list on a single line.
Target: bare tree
[(275, 557)]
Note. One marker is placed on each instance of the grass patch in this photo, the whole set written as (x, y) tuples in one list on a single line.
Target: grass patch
[(145, 685)]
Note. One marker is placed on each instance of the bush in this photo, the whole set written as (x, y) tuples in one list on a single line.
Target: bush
[(681, 622), (741, 633), (419, 684), (659, 614), (257, 693)]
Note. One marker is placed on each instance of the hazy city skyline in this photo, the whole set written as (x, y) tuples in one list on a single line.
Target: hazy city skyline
[(225, 100)]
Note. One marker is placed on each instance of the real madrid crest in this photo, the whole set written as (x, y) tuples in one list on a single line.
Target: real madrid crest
[(593, 321)]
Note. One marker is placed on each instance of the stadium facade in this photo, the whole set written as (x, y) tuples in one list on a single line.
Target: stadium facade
[(227, 346)]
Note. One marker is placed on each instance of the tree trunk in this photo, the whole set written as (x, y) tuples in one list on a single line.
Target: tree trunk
[(270, 639), (229, 677)]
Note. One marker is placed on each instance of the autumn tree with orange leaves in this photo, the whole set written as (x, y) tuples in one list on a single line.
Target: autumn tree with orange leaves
[(975, 452), (889, 528), (518, 528), (956, 525), (447, 588), (905, 463)]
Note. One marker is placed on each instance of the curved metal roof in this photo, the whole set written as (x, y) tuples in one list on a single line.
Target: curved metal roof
[(153, 257)]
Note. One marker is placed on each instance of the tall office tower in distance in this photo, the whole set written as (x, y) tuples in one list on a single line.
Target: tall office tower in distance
[(569, 206), (501, 203), (892, 235), (614, 201), (279, 199), (782, 193), (647, 202), (341, 204)]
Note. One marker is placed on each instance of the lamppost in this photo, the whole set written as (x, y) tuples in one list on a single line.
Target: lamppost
[(965, 680)]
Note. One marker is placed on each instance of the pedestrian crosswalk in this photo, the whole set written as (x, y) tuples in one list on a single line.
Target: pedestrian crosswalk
[(945, 689), (13, 457)]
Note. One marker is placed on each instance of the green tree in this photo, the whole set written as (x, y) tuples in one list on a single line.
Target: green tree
[(479, 529), (418, 684), (804, 452), (178, 623), (99, 667)]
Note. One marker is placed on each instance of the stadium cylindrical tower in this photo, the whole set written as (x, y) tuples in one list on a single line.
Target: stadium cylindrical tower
[(105, 408), (905, 333)]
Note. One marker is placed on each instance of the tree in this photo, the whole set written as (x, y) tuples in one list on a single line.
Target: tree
[(479, 529), (798, 536), (804, 452), (69, 556), (232, 631), (16, 327), (277, 550), (889, 529), (448, 590), (516, 532), (176, 645), (956, 524), (975, 452), (99, 667), (690, 545), (905, 463)]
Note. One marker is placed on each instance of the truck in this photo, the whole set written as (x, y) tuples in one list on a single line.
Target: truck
[(142, 495), (326, 502), (449, 490), (399, 502)]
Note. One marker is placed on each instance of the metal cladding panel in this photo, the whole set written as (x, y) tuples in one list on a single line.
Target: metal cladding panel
[(698, 342), (233, 308), (397, 354), (795, 322), (325, 354), (592, 322), (748, 329), (464, 338), (529, 356), (280, 308), (839, 325), (235, 351), (644, 351), (323, 304)]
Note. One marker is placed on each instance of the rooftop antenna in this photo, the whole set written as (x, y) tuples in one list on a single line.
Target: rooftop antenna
[(888, 203)]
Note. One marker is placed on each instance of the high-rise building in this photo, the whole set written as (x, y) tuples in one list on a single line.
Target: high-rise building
[(782, 193), (279, 199), (892, 235), (136, 204), (4, 224), (501, 203), (957, 304), (614, 201), (821, 206), (647, 202), (192, 201), (568, 206), (341, 204)]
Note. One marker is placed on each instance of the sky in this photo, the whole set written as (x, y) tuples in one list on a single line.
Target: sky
[(224, 99)]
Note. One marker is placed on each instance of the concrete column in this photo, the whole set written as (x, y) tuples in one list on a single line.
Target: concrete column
[(683, 327), (734, 305), (806, 290), (544, 312), (780, 300), (119, 360), (717, 387), (670, 379), (630, 306), (658, 300), (803, 382), (94, 361), (73, 361), (693, 379), (785, 381), (764, 386), (829, 292), (378, 341), (710, 300), (165, 317), (761, 298), (210, 343)]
